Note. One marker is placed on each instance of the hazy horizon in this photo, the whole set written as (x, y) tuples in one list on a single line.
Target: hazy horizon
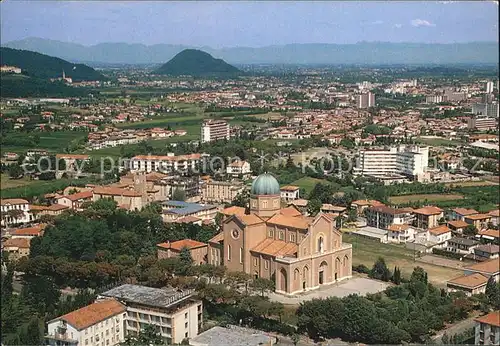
[(250, 24)]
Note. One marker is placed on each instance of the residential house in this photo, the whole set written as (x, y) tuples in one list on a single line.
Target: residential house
[(176, 314), (489, 269), (461, 213), (401, 233), (428, 217), (487, 329), (28, 232), (289, 193), (457, 226), (15, 211), (439, 236), (470, 284), (51, 210), (361, 205), (16, 247), (100, 323), (238, 168), (480, 221), (125, 198), (489, 236), (383, 216), (486, 252), (462, 245), (76, 200), (198, 250), (495, 216)]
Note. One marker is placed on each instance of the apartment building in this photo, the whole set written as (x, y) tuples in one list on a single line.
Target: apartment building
[(488, 109), (487, 329), (289, 193), (401, 233), (383, 216), (174, 210), (480, 221), (221, 191), (365, 100), (428, 217), (213, 130), (438, 236), (482, 123), (198, 250), (15, 211), (410, 161), (176, 313), (164, 164), (98, 324), (238, 168)]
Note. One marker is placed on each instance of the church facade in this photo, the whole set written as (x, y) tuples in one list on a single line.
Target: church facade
[(297, 252)]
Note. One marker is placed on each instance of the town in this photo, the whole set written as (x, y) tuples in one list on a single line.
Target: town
[(252, 205)]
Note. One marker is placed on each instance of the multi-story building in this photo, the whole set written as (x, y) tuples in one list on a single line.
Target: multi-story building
[(383, 217), (489, 87), (164, 164), (76, 200), (213, 130), (125, 198), (16, 248), (482, 123), (238, 168), (434, 99), (10, 69), (489, 110), (480, 221), (15, 211), (428, 217), (97, 324), (290, 193), (365, 100), (400, 233), (198, 250), (174, 210), (221, 191), (470, 284), (176, 313), (487, 329), (299, 253), (410, 161), (438, 236)]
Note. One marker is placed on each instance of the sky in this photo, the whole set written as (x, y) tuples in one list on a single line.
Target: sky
[(249, 24)]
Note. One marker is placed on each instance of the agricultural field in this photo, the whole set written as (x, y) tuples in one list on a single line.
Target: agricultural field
[(367, 251), (50, 141), (431, 197), (7, 183), (307, 183)]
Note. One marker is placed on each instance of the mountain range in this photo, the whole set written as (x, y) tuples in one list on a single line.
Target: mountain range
[(374, 53)]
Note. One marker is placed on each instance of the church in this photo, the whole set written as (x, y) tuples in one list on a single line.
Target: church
[(299, 253)]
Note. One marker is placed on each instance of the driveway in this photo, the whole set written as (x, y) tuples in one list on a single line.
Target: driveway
[(360, 286)]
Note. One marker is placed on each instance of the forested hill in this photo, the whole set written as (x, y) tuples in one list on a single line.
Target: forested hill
[(193, 62), (43, 66)]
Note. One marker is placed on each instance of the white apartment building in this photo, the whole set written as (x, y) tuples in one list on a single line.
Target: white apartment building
[(237, 168), (164, 164), (213, 130), (175, 313), (489, 87), (15, 211), (434, 99), (289, 193), (97, 324), (487, 329), (408, 161), (365, 100)]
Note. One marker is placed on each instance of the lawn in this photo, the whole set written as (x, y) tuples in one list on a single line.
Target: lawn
[(366, 251), (307, 183), (432, 197), (7, 183)]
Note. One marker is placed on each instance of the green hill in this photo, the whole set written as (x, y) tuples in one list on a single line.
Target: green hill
[(12, 85), (43, 66), (193, 62)]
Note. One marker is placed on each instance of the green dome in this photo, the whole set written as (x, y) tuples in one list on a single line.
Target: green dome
[(265, 184)]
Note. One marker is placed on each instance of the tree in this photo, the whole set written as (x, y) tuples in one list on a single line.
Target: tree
[(241, 199), (380, 270), (313, 206), (15, 171), (148, 336), (262, 285), (396, 276), (179, 195), (493, 293), (185, 261), (470, 230)]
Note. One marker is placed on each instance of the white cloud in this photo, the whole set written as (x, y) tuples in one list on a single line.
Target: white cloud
[(421, 22), (398, 26)]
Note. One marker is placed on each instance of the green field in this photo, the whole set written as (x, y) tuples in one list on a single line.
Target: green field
[(366, 251), (439, 142), (307, 183), (7, 183), (431, 197), (51, 141)]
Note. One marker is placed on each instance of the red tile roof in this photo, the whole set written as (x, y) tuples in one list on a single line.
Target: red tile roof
[(276, 248), (469, 281), (430, 210), (178, 245), (493, 318), (93, 313)]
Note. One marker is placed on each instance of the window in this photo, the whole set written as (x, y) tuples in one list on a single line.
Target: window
[(107, 331), (281, 235), (86, 341), (264, 204), (86, 331), (271, 233), (229, 252), (241, 255), (292, 237), (186, 315), (266, 264), (107, 342), (186, 335), (275, 202), (185, 325), (320, 244), (255, 262)]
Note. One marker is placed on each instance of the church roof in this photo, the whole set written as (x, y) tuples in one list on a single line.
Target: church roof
[(290, 211), (276, 248), (233, 210), (289, 221), (250, 219)]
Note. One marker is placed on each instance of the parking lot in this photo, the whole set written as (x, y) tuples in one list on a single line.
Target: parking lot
[(360, 286)]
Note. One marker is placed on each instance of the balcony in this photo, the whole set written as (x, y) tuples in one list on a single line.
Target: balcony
[(61, 338)]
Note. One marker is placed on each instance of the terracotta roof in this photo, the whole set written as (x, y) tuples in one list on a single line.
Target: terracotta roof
[(167, 158), (237, 163), (398, 228), (493, 318), (289, 221), (290, 211), (17, 242), (34, 207), (469, 281), (489, 248), (187, 219), (331, 207), (72, 156), (458, 224), (289, 188), (478, 217), (495, 233), (276, 248), (495, 212), (361, 202), (155, 176), (218, 238), (442, 229), (300, 202), (34, 231), (250, 219), (430, 210), (388, 210), (115, 191), (233, 210), (489, 267), (465, 211), (79, 195), (13, 201), (178, 245), (93, 313)]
